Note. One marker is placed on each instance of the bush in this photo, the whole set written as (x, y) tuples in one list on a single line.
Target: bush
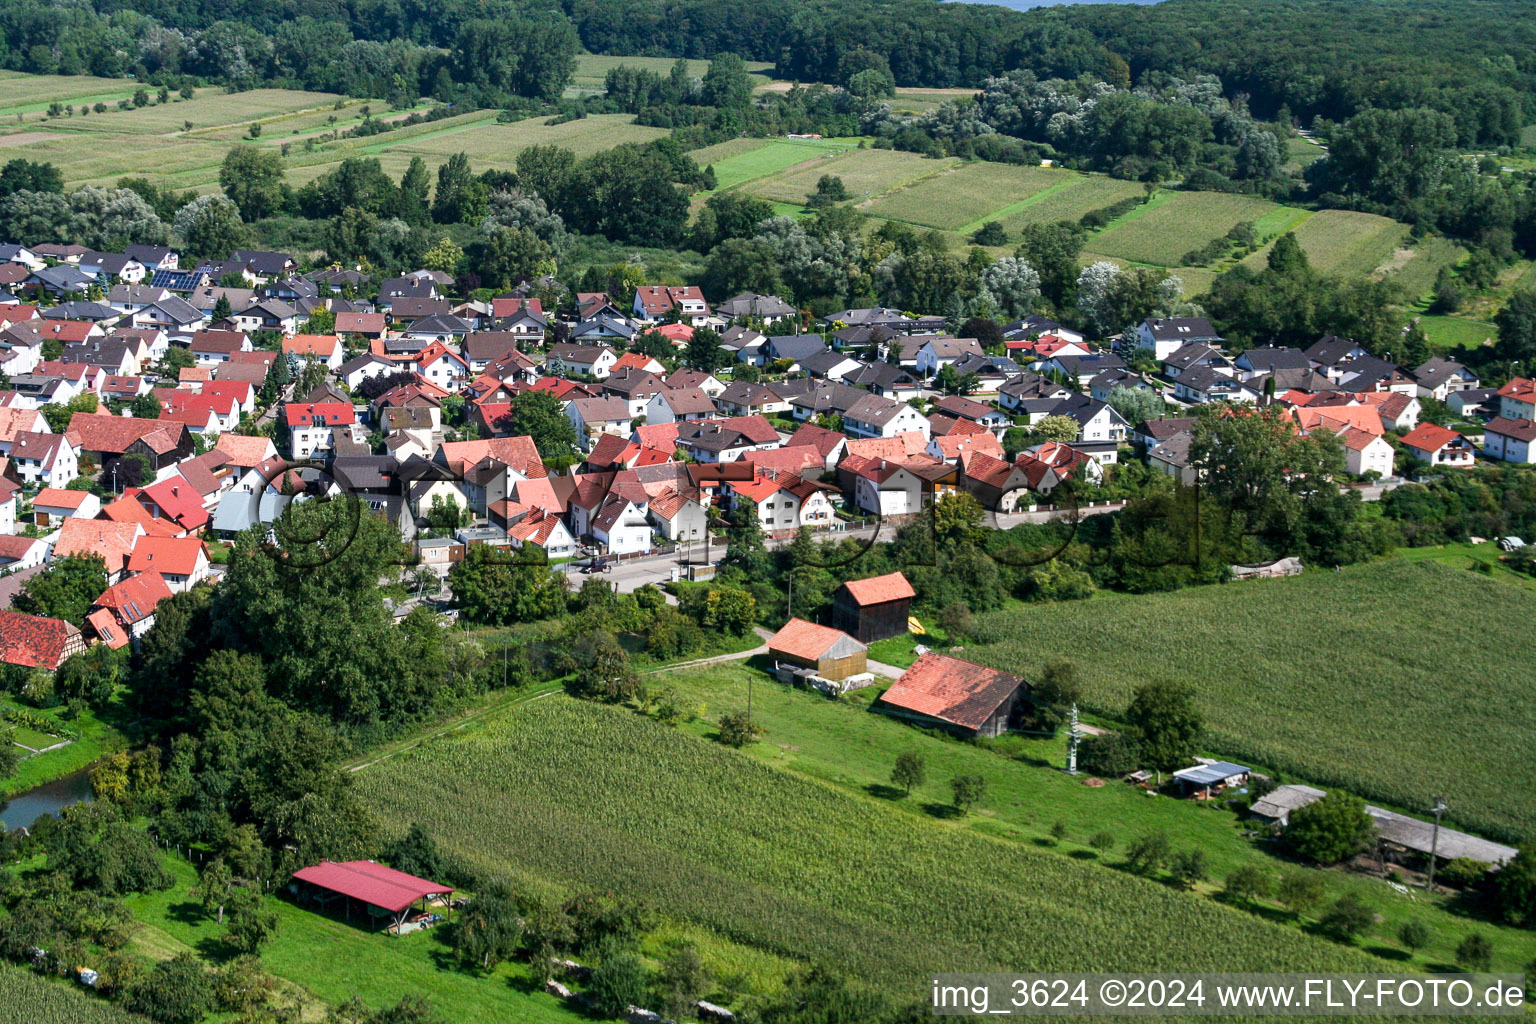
[(1414, 934), (175, 991), (990, 233), (737, 730), (1463, 872), (1188, 867), (1475, 952), (1112, 755), (1300, 891), (1330, 830), (1348, 918), (968, 791), (1147, 853), (1247, 884), (1103, 841), (619, 982)]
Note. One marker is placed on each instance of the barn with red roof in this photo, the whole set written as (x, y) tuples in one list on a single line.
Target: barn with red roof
[(956, 696), (874, 608)]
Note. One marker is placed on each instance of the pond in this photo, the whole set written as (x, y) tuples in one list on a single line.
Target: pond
[(49, 798)]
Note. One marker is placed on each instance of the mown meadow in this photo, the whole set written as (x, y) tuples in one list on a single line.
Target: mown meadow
[(1396, 679), (587, 796)]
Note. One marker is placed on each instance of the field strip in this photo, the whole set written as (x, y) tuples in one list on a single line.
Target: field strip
[(202, 129), (791, 169), (1024, 203), (517, 697), (904, 185), (379, 147)]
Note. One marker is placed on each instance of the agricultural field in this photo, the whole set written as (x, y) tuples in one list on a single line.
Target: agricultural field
[(1299, 153), (1390, 721), (21, 93), (1161, 232), (29, 998), (491, 145), (841, 743), (870, 172), (745, 160), (1344, 242), (1081, 194), (210, 110), (769, 859), (1423, 261), (964, 195)]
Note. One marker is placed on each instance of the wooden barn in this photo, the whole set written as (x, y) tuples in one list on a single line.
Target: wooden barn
[(806, 652), (960, 697), (873, 609)]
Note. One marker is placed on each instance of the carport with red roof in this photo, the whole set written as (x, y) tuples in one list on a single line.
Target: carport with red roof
[(384, 892)]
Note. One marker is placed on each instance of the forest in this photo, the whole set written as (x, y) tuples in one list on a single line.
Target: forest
[(1314, 58)]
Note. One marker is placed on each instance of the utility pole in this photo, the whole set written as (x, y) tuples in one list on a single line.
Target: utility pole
[(1434, 841)]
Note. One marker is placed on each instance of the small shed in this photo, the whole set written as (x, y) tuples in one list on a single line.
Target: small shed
[(1206, 778), (874, 608), (1275, 807), (806, 652), (960, 697)]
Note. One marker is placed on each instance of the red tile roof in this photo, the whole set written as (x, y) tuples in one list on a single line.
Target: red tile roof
[(111, 540), (1520, 430), (880, 589), (58, 497), (135, 598), (175, 555), (952, 690), (116, 434), (33, 641), (178, 501), (1429, 437), (331, 414)]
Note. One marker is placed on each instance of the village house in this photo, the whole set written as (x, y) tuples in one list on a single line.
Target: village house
[(313, 426), (1439, 377), (784, 503), (317, 348), (678, 515), (45, 460), (679, 405), (1517, 399), (936, 353), (1439, 446), (655, 302), (594, 362), (634, 386), (181, 561), (1165, 336), (210, 348), (727, 439), (1510, 440), (593, 417), (126, 610), (873, 416)]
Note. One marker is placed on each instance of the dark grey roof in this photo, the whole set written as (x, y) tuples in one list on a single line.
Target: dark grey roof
[(1194, 353), (1330, 349), (1032, 324), (1272, 357), (440, 323), (266, 264), (880, 377), (767, 307), (80, 311), (1098, 362), (795, 346), (985, 365), (823, 363), (1181, 328), (1438, 369)]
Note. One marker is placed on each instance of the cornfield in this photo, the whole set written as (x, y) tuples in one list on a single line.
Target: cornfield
[(27, 998), (1398, 681), (584, 796)]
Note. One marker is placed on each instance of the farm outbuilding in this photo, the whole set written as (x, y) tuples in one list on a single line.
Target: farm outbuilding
[(873, 609), (820, 656), (957, 696), (384, 893), (1207, 778)]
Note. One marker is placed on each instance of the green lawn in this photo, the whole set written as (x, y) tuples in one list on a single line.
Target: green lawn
[(846, 745), (97, 738), (1359, 678), (1469, 556), (736, 164), (1448, 332)]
